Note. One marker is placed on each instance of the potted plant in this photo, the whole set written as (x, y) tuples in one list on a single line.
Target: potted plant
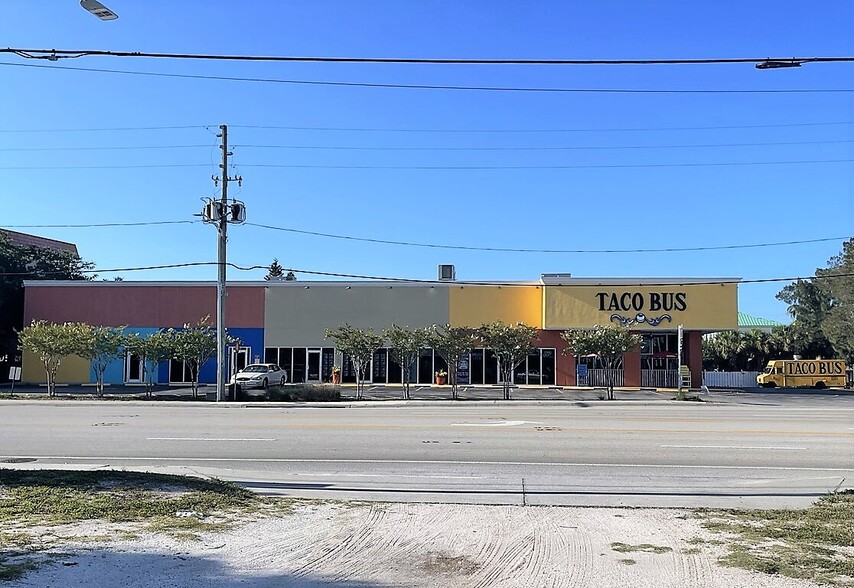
[(336, 374), (441, 377)]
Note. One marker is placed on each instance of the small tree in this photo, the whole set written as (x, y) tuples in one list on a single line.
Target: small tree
[(51, 342), (454, 344), (276, 271), (406, 344), (360, 345), (195, 345), (151, 350), (101, 346), (608, 342), (511, 344)]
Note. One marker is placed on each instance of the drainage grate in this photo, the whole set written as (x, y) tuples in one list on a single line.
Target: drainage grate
[(18, 460)]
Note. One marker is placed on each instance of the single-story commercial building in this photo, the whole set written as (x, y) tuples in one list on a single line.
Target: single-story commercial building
[(285, 321)]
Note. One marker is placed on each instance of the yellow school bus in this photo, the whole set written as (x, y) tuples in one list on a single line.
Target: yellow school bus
[(803, 373)]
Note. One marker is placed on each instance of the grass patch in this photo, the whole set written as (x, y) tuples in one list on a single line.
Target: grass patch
[(60, 497), (304, 393), (813, 543), (179, 506), (644, 547), (691, 551), (628, 561)]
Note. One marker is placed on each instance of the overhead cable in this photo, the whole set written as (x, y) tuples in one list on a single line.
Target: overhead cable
[(520, 250), (435, 167), (457, 283), (446, 130), (438, 87), (436, 149), (55, 54)]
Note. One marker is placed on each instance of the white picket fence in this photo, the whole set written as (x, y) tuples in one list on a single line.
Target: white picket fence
[(659, 378), (730, 379), (599, 378)]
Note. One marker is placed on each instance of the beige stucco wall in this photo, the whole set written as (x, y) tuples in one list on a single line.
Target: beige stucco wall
[(296, 316)]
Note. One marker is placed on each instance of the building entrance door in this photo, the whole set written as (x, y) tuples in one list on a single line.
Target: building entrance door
[(313, 371), (134, 372)]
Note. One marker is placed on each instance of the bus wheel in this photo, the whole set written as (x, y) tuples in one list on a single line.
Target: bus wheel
[(819, 386)]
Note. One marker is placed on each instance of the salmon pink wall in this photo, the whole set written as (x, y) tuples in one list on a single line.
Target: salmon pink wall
[(142, 306)]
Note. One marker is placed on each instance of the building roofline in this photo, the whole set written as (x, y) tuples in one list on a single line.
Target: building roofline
[(665, 281)]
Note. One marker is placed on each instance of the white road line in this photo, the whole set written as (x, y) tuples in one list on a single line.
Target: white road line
[(772, 447), (428, 461), (336, 475), (204, 439), (497, 424)]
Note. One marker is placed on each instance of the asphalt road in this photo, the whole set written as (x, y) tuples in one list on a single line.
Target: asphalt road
[(750, 450)]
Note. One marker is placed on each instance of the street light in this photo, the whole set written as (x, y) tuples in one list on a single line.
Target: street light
[(778, 64), (98, 9)]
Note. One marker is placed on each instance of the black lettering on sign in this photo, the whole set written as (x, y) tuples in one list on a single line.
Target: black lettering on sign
[(822, 368), (636, 301)]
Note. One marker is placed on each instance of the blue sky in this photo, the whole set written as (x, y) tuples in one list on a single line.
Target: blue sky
[(606, 207)]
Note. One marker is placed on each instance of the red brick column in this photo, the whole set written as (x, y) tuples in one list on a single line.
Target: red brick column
[(694, 356), (564, 364), (632, 368)]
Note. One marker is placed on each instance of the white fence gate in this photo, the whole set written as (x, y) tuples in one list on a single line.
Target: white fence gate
[(660, 378), (600, 378), (730, 379)]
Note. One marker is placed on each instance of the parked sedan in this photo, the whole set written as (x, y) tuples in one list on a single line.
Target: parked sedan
[(260, 375)]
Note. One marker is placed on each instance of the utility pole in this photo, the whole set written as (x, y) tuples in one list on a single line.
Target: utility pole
[(220, 278), (220, 214)]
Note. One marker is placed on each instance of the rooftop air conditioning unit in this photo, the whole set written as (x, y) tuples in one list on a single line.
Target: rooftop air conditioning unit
[(447, 273)]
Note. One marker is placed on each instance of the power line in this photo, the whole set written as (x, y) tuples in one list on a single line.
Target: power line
[(54, 54), (444, 246), (108, 148), (575, 130), (98, 129), (96, 225), (523, 167), (436, 87), (133, 166), (542, 148), (437, 167), (686, 282), (444, 130), (436, 149), (518, 250)]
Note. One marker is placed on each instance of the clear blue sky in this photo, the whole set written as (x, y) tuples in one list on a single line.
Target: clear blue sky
[(586, 208)]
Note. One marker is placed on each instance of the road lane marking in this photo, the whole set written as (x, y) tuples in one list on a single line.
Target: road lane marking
[(206, 439), (497, 424), (771, 447), (430, 462)]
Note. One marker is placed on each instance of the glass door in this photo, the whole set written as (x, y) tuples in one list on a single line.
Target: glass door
[(134, 372), (313, 371), (239, 358)]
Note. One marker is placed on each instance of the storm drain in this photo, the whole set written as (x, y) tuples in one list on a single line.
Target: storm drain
[(18, 460)]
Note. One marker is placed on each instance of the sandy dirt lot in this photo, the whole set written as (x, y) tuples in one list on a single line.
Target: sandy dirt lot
[(378, 545)]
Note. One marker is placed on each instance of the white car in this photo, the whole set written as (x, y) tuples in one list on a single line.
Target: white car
[(260, 375)]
